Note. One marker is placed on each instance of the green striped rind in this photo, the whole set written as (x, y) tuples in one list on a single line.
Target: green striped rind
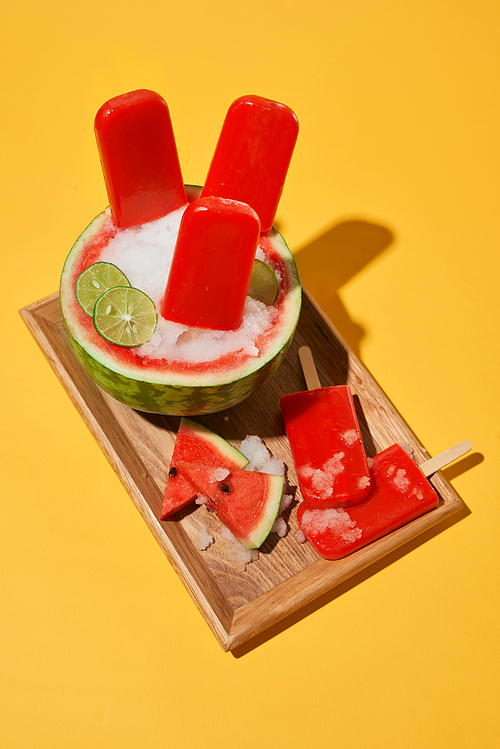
[(222, 449), (177, 393), (176, 400), (273, 501)]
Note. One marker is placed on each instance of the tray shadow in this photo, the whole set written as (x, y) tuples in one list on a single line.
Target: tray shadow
[(365, 574)]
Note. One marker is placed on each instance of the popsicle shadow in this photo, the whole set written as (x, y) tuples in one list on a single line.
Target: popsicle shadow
[(328, 262)]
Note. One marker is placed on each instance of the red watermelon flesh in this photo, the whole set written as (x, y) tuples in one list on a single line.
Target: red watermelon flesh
[(246, 502), (195, 443)]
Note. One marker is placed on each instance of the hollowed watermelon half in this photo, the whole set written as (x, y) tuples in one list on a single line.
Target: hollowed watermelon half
[(195, 444), (246, 502), (168, 386)]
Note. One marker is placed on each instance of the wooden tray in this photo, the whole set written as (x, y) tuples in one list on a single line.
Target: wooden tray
[(238, 604)]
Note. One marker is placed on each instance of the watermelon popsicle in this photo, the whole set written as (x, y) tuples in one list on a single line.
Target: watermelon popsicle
[(399, 493), (212, 264), (139, 158), (326, 443), (252, 155)]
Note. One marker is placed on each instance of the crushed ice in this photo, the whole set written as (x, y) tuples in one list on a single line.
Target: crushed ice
[(401, 481), (205, 538), (339, 521), (217, 474), (322, 480), (350, 436), (144, 253), (364, 482), (260, 459)]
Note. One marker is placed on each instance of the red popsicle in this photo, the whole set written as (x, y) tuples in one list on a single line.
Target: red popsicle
[(326, 445), (253, 154), (139, 158), (212, 264), (399, 493)]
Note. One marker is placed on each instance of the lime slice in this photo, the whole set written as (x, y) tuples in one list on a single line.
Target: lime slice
[(263, 283), (94, 281), (125, 316)]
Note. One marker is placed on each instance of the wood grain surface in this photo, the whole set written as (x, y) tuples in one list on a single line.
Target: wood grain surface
[(239, 603)]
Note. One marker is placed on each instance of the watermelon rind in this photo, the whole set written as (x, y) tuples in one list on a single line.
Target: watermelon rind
[(195, 442), (166, 389), (264, 509), (222, 450), (262, 531)]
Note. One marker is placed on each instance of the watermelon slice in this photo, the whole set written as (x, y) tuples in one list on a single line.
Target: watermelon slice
[(246, 502), (195, 443)]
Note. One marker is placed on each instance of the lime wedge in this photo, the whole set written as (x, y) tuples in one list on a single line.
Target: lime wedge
[(263, 284), (94, 281), (125, 316)]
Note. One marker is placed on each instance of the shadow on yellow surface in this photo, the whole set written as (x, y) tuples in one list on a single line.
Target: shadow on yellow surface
[(470, 461), (330, 261)]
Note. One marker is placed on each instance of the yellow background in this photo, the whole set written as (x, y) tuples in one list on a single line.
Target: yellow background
[(392, 209)]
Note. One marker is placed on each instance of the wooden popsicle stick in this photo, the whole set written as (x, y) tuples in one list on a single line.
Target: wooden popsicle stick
[(309, 368), (444, 458)]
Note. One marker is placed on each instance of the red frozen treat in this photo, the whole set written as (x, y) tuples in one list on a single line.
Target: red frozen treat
[(252, 155), (399, 493), (326, 445), (212, 264), (139, 158)]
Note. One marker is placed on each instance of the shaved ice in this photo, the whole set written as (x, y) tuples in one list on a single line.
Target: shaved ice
[(144, 254), (205, 538), (338, 521), (260, 459)]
